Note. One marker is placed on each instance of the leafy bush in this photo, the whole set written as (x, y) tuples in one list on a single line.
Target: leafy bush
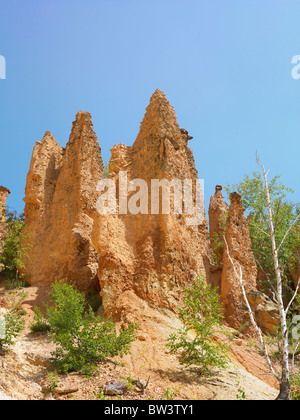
[(284, 214), (11, 323), (295, 386), (83, 339), (14, 250), (201, 314), (39, 324)]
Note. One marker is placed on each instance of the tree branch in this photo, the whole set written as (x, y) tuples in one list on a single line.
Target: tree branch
[(263, 344), (293, 298), (288, 231)]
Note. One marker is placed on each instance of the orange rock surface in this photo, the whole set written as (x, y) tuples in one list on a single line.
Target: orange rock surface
[(60, 199), (239, 245), (151, 256)]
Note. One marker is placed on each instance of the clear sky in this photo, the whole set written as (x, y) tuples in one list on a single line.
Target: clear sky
[(225, 66)]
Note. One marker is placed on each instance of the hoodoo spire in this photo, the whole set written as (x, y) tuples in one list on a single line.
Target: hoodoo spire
[(159, 120)]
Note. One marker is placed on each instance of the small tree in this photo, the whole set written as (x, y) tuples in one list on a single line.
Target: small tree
[(284, 214), (82, 338), (14, 249), (270, 233), (11, 324), (200, 314)]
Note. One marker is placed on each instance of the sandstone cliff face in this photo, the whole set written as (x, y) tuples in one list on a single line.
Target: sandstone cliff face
[(41, 180), (4, 192), (265, 311), (150, 257), (239, 245), (60, 199), (217, 214)]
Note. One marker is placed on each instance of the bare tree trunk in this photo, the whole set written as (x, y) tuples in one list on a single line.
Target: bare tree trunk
[(284, 345)]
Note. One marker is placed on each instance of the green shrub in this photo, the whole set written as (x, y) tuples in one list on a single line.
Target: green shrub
[(14, 250), (201, 314), (11, 324), (295, 387), (39, 323), (82, 338)]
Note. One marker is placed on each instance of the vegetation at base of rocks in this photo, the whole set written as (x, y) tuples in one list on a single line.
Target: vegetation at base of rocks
[(39, 323), (295, 386), (94, 300), (241, 395), (100, 395), (14, 250), (106, 168), (169, 395), (52, 381), (11, 323), (201, 315), (82, 338), (285, 213)]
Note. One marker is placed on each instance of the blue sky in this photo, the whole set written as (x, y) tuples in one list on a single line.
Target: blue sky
[(225, 66)]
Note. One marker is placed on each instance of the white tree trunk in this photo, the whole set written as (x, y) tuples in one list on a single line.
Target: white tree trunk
[(284, 345)]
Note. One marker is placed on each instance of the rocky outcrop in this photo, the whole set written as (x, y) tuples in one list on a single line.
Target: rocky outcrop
[(146, 254), (265, 311), (41, 180), (4, 192), (217, 213), (239, 247), (59, 203)]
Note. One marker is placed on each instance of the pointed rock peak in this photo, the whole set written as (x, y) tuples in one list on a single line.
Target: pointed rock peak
[(4, 190), (235, 197), (83, 117), (48, 138), (218, 191), (48, 145), (159, 121), (158, 95), (82, 126)]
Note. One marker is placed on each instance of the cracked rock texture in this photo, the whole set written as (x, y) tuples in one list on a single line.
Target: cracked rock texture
[(151, 256), (60, 200)]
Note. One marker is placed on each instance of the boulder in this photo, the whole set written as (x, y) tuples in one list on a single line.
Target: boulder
[(116, 388), (265, 311)]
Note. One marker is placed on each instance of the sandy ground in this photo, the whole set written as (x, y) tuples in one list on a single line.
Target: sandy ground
[(24, 371)]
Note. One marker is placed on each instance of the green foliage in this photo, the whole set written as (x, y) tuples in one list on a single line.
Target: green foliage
[(200, 314), (14, 250), (106, 168), (241, 394), (52, 380), (295, 386), (284, 213), (39, 323), (169, 395), (100, 395), (130, 381), (82, 338), (13, 323)]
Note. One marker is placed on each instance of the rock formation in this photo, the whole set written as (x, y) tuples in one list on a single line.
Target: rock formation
[(148, 258), (265, 311), (41, 180), (217, 214), (60, 200), (4, 192), (239, 245)]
